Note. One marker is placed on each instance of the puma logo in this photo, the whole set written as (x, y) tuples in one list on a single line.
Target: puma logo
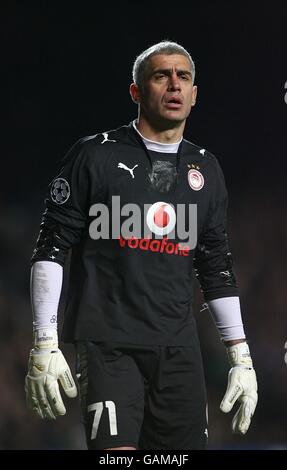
[(106, 139), (124, 167)]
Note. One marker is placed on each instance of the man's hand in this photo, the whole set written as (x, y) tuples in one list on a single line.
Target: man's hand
[(242, 386), (46, 366)]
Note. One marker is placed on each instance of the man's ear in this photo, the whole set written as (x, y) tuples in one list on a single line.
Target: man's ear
[(194, 95), (135, 93)]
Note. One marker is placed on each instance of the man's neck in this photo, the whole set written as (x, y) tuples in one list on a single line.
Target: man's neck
[(158, 146), (165, 136)]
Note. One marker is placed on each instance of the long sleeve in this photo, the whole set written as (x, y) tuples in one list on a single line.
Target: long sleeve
[(213, 259), (67, 207)]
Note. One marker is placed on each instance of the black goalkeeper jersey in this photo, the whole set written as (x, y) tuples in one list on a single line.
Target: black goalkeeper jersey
[(136, 289)]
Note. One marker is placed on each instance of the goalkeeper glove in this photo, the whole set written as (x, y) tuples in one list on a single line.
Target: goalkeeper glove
[(242, 386), (46, 366)]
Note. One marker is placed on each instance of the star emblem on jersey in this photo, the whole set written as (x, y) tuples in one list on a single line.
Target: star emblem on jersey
[(193, 167), (195, 179), (60, 191), (124, 167)]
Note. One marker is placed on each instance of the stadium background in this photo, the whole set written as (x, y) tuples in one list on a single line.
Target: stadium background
[(66, 72)]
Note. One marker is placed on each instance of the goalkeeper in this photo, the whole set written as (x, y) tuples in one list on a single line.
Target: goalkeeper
[(129, 305)]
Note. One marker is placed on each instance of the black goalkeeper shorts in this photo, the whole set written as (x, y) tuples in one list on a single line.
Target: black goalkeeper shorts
[(148, 397)]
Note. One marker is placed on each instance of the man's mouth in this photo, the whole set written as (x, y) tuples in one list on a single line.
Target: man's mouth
[(173, 103)]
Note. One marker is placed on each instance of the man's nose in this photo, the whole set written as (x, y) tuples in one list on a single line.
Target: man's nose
[(174, 82)]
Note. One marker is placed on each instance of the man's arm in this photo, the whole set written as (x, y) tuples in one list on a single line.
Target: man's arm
[(242, 384), (47, 364), (214, 270), (63, 223)]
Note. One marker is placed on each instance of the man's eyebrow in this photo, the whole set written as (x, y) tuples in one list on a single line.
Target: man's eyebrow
[(186, 72), (168, 71)]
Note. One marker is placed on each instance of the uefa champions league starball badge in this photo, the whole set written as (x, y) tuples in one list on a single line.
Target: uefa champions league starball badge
[(195, 180), (60, 191)]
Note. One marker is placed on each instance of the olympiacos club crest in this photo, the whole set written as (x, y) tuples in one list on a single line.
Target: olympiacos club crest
[(195, 180)]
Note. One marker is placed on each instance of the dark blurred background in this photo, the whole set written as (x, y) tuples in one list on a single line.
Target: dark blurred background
[(65, 74)]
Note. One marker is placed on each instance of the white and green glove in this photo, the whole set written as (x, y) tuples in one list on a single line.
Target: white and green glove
[(46, 366), (242, 386)]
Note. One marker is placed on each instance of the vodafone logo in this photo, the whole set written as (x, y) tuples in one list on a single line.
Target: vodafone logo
[(195, 180), (161, 218)]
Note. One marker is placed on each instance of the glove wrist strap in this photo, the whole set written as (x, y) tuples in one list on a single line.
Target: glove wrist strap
[(239, 355), (45, 338)]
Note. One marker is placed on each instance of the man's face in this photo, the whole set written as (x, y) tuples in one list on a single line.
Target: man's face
[(167, 94)]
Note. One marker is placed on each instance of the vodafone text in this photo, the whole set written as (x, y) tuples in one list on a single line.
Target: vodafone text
[(156, 246)]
